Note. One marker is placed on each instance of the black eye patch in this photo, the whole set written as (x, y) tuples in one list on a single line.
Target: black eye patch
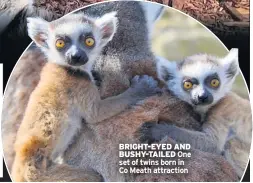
[(85, 36), (63, 37), (66, 39), (209, 78), (189, 81), (194, 81)]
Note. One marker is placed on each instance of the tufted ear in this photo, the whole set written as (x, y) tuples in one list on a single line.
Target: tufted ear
[(107, 24), (166, 69), (231, 64), (38, 30)]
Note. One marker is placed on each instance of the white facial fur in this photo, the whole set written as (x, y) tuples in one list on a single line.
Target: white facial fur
[(200, 67), (73, 26)]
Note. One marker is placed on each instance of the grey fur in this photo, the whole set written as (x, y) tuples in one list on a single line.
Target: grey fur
[(166, 74), (133, 35)]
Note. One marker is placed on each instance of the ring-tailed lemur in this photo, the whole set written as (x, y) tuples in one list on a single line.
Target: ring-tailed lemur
[(204, 82), (66, 93), (125, 56)]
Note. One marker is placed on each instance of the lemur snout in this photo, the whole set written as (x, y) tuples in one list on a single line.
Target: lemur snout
[(77, 59), (204, 98)]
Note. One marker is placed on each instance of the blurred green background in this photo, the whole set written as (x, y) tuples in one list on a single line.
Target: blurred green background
[(177, 35)]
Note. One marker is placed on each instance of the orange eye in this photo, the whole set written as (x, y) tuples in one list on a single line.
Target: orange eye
[(187, 85), (89, 42), (215, 83), (60, 43)]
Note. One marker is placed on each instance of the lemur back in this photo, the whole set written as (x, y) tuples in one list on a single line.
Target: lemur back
[(130, 48)]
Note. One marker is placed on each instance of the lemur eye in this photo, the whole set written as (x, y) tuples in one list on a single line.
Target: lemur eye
[(60, 43), (89, 41), (188, 85), (215, 83)]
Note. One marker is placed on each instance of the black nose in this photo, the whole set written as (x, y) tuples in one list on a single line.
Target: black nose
[(203, 98), (77, 60)]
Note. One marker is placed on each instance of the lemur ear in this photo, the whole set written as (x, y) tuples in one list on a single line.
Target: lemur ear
[(231, 64), (165, 69), (108, 26), (38, 31)]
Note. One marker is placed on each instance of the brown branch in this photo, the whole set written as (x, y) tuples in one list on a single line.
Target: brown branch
[(237, 24), (233, 12)]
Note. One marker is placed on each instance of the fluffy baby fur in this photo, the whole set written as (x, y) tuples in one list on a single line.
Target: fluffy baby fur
[(132, 57), (223, 131)]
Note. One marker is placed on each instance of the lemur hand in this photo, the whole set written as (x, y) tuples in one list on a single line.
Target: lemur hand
[(151, 132), (143, 87)]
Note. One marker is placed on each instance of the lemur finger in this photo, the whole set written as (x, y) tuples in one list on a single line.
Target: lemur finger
[(135, 80)]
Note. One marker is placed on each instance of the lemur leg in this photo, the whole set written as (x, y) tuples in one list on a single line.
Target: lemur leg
[(32, 163), (210, 139)]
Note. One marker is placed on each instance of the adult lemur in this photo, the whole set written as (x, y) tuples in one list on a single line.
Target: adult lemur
[(204, 81), (125, 56)]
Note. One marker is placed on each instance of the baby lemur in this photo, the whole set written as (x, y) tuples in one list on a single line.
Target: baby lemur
[(66, 93), (204, 82)]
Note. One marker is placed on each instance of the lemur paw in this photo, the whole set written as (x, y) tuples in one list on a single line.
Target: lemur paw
[(151, 132), (97, 78), (40, 160), (144, 132), (144, 86)]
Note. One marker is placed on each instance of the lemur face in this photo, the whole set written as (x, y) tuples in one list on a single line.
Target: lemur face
[(200, 80), (73, 46), (199, 90), (74, 40)]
